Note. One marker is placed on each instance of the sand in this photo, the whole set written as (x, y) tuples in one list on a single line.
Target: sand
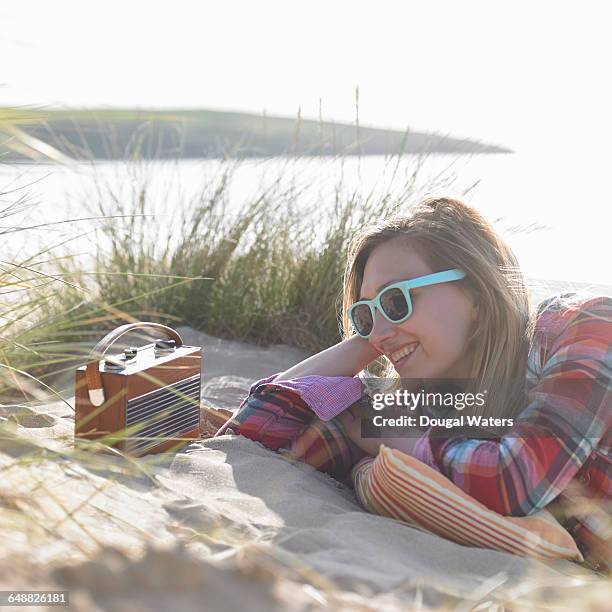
[(226, 524)]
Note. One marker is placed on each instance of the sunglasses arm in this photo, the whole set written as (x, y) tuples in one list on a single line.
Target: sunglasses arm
[(435, 278)]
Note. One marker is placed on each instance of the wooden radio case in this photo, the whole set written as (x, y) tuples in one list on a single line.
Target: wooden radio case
[(144, 400)]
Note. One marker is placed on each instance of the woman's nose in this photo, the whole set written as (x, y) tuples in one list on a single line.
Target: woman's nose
[(382, 329)]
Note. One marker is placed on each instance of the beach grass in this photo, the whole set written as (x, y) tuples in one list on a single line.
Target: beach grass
[(266, 270)]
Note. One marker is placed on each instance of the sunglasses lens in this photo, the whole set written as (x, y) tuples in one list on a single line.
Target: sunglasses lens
[(394, 304), (362, 319)]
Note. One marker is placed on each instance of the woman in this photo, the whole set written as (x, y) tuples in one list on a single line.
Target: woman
[(437, 294)]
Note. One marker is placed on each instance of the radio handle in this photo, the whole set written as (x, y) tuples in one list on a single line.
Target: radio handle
[(92, 370)]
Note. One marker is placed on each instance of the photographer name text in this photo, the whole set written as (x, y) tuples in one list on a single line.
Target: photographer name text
[(448, 422)]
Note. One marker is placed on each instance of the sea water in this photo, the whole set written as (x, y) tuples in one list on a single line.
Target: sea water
[(554, 211)]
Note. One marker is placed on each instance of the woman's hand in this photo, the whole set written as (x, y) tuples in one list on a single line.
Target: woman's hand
[(351, 421), (347, 358)]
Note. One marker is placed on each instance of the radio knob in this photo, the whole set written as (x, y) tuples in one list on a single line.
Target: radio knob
[(130, 353), (165, 345)]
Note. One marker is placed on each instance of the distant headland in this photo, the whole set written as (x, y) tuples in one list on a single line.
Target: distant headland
[(113, 134)]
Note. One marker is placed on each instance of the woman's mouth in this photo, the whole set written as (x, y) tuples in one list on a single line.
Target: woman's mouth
[(404, 354)]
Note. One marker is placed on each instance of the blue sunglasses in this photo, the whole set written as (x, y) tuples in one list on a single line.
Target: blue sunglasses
[(394, 301)]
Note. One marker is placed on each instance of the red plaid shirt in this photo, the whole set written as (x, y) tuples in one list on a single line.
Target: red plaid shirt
[(559, 455)]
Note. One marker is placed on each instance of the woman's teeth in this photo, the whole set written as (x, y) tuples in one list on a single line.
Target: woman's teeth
[(404, 352)]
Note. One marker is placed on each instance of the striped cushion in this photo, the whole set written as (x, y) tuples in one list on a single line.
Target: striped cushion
[(399, 486)]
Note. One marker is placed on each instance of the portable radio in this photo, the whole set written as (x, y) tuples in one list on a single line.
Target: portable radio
[(143, 400)]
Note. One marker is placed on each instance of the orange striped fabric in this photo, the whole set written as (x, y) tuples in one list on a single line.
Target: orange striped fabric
[(399, 486)]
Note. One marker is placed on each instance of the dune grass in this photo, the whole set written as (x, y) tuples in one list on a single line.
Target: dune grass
[(267, 269)]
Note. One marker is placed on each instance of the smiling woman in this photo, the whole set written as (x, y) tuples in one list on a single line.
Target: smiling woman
[(476, 327), (547, 372)]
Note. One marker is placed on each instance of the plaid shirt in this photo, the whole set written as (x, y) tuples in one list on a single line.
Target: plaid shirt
[(558, 456)]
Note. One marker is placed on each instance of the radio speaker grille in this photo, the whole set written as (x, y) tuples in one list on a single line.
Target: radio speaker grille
[(164, 413)]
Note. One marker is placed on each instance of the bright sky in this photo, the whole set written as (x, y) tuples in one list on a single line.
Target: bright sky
[(530, 75)]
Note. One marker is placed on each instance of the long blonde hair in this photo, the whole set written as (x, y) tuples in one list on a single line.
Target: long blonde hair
[(447, 233)]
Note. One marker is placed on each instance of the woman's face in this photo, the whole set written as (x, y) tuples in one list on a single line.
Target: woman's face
[(440, 323)]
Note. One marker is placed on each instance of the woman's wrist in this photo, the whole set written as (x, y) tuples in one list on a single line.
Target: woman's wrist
[(364, 350)]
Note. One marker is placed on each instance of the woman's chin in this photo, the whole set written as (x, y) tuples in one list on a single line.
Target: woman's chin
[(409, 372)]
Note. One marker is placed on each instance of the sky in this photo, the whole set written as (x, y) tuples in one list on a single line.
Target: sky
[(527, 75)]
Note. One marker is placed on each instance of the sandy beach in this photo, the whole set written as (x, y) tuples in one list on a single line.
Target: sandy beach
[(225, 523)]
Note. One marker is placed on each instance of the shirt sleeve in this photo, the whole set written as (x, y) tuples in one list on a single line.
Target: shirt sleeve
[(328, 396), (568, 412)]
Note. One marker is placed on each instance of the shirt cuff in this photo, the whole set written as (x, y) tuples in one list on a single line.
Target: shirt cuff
[(327, 396)]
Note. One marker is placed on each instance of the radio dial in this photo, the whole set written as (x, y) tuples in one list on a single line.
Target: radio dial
[(165, 345)]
